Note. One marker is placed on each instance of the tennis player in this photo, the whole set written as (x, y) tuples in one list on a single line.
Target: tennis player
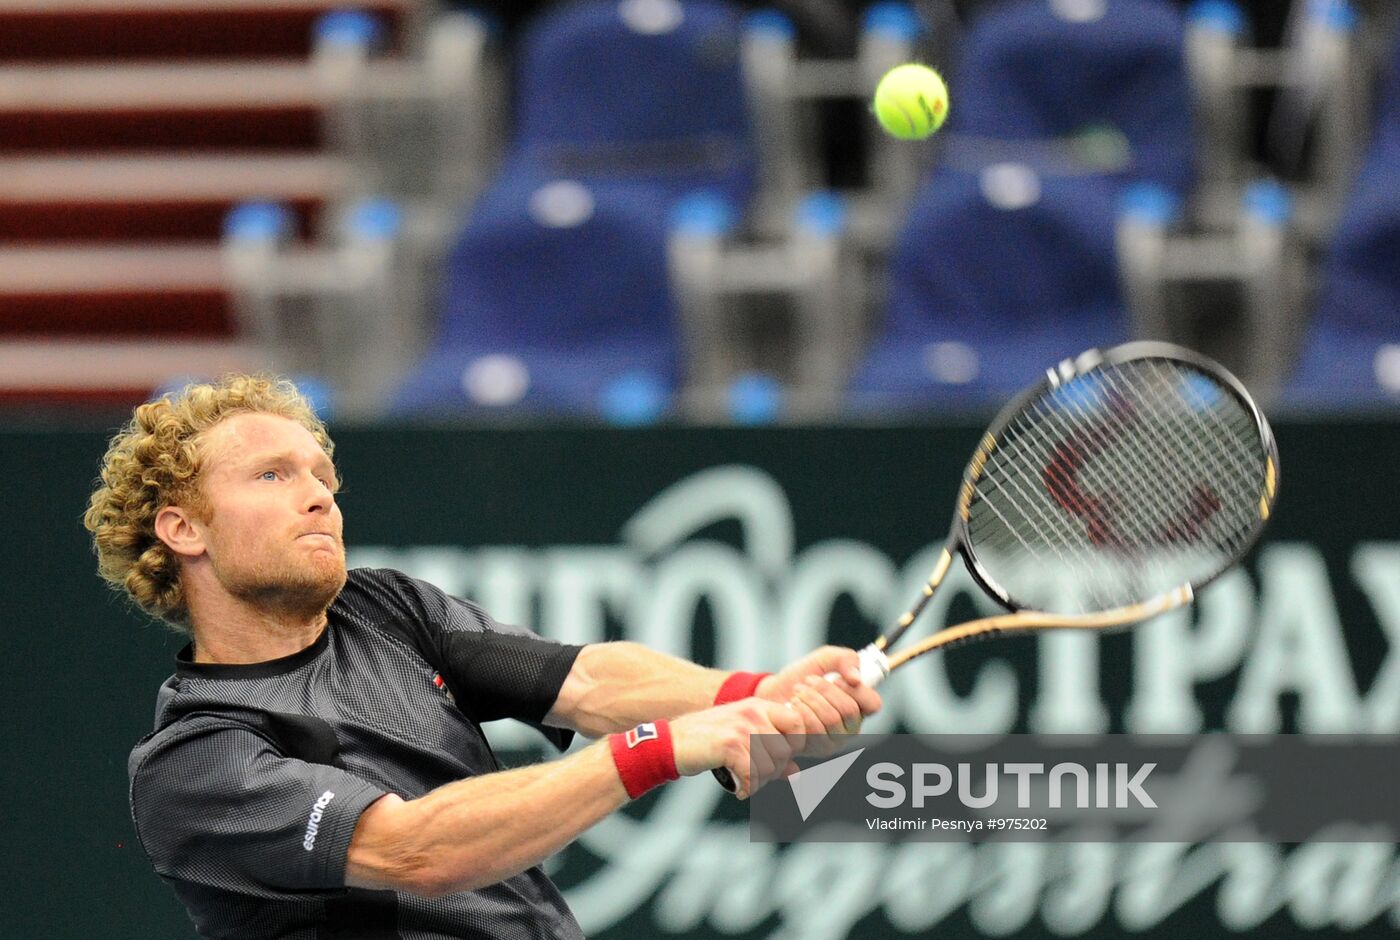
[(317, 766)]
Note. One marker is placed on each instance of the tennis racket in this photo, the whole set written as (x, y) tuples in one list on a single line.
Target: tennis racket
[(1122, 483)]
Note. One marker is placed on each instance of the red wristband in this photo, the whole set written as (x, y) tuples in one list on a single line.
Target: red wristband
[(644, 757), (739, 685)]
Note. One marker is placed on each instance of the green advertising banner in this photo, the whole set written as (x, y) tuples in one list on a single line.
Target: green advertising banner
[(745, 548)]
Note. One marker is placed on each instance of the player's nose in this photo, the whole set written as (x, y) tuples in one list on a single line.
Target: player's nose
[(315, 495)]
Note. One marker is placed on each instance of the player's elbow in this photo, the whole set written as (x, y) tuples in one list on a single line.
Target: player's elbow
[(392, 849), (384, 853)]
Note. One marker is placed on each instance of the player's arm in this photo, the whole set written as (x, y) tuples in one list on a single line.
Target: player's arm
[(477, 831), (613, 686)]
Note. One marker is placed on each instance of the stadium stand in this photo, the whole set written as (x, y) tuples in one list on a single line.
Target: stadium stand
[(131, 129), (583, 109), (555, 291), (127, 129), (1044, 70), (995, 273), (1351, 352)]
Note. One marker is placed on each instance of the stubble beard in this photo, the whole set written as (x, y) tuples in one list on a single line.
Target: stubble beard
[(299, 589)]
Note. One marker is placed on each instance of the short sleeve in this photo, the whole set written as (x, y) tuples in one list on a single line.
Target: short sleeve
[(216, 803), (493, 671)]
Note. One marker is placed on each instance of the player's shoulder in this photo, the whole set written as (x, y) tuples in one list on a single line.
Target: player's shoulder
[(388, 599), (380, 590), (378, 595), (390, 579)]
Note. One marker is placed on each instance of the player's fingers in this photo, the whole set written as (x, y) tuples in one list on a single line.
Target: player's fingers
[(764, 760), (785, 720), (840, 660), (812, 724), (743, 786), (841, 713), (777, 753), (816, 696), (839, 696), (866, 699)]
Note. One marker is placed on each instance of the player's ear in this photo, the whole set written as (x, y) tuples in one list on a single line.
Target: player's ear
[(175, 527)]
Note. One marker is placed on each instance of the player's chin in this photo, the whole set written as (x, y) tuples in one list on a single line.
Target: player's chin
[(319, 579), (314, 591), (332, 571)]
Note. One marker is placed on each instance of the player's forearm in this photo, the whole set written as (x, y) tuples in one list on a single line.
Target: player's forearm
[(614, 686), (478, 831)]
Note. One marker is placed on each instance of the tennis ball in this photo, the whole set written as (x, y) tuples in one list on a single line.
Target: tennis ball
[(911, 101)]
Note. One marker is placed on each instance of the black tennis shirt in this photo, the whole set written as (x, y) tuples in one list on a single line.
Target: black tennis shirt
[(247, 792)]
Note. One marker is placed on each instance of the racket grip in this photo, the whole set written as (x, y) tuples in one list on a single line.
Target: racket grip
[(874, 667)]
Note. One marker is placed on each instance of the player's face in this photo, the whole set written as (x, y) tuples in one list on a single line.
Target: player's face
[(274, 531)]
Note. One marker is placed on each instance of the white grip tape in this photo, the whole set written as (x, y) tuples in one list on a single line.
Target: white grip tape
[(874, 666)]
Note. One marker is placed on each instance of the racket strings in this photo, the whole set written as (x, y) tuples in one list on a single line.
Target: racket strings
[(1168, 471), (1193, 438), (1120, 484), (1172, 466), (1075, 568), (1240, 431), (1149, 500), (1045, 454), (1237, 463), (1192, 500), (1191, 443)]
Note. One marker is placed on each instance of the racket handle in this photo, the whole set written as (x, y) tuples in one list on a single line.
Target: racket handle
[(726, 779), (874, 667)]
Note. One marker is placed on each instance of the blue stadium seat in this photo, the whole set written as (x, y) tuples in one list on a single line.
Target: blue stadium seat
[(554, 291), (638, 89), (1351, 351), (995, 276), (1388, 102), (1052, 69)]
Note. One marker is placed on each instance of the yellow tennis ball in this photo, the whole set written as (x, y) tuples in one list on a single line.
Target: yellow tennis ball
[(911, 101)]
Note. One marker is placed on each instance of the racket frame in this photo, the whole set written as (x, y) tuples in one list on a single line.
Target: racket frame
[(875, 661)]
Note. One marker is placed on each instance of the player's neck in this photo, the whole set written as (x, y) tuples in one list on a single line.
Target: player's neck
[(228, 630), (255, 643)]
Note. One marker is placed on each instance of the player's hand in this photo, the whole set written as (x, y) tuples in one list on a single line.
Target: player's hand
[(753, 739), (828, 709)]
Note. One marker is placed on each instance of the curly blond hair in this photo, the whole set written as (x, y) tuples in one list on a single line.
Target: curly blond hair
[(154, 462)]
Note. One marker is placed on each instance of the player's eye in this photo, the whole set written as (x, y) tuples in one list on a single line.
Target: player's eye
[(268, 475)]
